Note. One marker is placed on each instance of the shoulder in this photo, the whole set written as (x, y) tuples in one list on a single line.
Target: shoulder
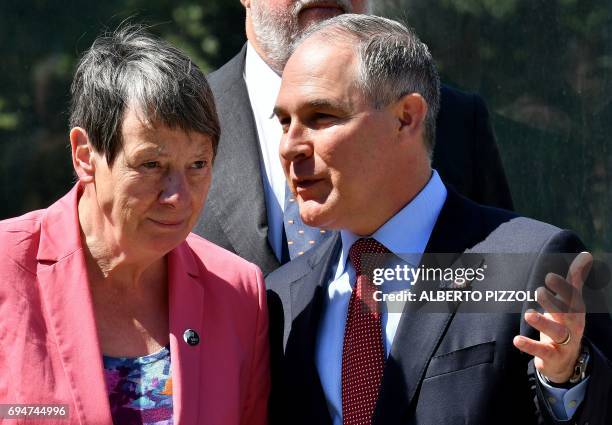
[(508, 232), (451, 97), (462, 120), (19, 238), (223, 263), (495, 230), (222, 79)]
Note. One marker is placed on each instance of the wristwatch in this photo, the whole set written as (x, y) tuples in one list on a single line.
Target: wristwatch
[(580, 368)]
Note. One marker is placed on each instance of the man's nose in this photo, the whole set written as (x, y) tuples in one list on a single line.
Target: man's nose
[(296, 143)]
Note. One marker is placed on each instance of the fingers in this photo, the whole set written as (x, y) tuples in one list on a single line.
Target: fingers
[(564, 317), (543, 350), (568, 299), (561, 287), (579, 270), (549, 302), (553, 361), (557, 332)]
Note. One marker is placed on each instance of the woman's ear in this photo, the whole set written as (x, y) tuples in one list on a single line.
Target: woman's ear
[(82, 155)]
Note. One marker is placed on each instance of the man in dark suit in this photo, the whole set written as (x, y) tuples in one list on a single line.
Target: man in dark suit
[(357, 105), (248, 210)]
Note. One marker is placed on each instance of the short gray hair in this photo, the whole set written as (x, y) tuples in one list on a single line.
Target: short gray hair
[(130, 68), (392, 61)]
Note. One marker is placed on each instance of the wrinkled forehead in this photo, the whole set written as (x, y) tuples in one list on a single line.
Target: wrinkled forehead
[(354, 6), (318, 58)]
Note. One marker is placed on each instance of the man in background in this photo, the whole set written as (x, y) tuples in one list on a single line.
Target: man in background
[(249, 210)]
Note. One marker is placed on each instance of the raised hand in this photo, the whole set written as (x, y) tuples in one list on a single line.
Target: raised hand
[(562, 324)]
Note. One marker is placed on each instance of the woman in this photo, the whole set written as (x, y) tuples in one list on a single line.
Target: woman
[(108, 305)]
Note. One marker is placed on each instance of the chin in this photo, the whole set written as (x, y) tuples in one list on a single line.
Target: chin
[(314, 214), (165, 243)]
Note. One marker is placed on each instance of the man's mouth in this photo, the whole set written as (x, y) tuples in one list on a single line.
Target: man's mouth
[(323, 7), (303, 185)]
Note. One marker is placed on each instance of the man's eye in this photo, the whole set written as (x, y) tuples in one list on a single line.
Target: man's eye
[(198, 164), (321, 118), (150, 165), (285, 123)]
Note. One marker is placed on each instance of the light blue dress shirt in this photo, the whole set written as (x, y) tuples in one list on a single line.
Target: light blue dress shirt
[(407, 232)]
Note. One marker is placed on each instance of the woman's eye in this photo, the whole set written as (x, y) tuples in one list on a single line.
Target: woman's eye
[(150, 165)]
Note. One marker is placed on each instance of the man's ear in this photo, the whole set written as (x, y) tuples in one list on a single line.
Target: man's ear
[(411, 111), (82, 155), (246, 3)]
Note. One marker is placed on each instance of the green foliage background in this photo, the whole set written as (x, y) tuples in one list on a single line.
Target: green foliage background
[(543, 66), (545, 70), (40, 42)]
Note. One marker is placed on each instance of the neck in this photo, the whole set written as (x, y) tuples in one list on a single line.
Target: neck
[(107, 260), (390, 203)]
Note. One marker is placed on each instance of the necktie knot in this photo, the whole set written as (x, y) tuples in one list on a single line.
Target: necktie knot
[(364, 254)]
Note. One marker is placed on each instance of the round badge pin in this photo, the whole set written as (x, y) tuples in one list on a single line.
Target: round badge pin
[(191, 337)]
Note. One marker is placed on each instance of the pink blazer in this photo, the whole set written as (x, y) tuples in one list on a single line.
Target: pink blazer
[(49, 349)]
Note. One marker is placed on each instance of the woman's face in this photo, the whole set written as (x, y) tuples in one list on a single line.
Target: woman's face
[(153, 193)]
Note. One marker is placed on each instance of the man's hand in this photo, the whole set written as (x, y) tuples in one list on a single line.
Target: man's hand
[(562, 325)]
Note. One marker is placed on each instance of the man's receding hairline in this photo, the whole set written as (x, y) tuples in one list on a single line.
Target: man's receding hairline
[(341, 37)]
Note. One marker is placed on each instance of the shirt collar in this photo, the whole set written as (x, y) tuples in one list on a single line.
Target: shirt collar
[(408, 231), (263, 84)]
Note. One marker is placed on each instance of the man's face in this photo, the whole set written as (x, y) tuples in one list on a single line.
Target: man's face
[(337, 151), (277, 23)]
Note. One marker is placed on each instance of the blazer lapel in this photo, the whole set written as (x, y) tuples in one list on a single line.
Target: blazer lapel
[(236, 197), (307, 296), (186, 307), (419, 332), (64, 283)]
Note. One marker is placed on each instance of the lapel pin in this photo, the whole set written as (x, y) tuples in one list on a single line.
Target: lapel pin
[(191, 337)]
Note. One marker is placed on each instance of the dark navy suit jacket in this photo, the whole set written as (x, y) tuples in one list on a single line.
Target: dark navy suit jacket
[(451, 367)]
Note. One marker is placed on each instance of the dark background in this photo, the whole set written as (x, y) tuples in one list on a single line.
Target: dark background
[(543, 67)]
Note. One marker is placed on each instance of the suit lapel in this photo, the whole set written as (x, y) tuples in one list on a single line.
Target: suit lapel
[(64, 284), (419, 332), (307, 297), (186, 307), (236, 197)]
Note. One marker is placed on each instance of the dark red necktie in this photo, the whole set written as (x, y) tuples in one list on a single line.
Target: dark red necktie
[(363, 356)]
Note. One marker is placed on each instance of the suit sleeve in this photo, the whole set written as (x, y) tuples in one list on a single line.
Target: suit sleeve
[(256, 410), (596, 407), (491, 185)]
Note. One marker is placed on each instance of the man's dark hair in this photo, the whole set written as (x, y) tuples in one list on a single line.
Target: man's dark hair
[(129, 68)]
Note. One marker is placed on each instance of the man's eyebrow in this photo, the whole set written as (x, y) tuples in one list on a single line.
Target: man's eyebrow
[(326, 104), (316, 103), (278, 111)]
